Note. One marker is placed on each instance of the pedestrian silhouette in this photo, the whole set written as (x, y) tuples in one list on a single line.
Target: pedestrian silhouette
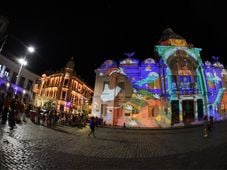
[(92, 127), (205, 122), (211, 123)]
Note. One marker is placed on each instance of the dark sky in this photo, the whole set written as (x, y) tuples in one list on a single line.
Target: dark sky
[(94, 32)]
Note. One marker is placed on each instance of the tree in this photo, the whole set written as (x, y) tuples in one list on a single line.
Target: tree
[(50, 104)]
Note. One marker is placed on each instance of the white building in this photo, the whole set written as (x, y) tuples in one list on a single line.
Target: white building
[(8, 75)]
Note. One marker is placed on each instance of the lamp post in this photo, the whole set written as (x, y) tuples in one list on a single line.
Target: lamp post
[(23, 62)]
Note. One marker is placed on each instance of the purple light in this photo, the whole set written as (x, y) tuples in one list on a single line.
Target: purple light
[(15, 90), (67, 104)]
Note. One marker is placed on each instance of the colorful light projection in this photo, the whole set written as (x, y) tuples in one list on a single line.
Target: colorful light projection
[(149, 94), (214, 87), (208, 73), (141, 107)]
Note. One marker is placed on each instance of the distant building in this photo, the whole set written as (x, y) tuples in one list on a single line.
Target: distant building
[(65, 90), (8, 75), (175, 89)]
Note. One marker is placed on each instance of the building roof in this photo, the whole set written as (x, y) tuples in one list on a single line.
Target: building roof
[(169, 37)]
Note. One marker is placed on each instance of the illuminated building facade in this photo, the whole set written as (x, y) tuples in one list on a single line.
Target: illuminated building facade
[(176, 89), (8, 75), (66, 90)]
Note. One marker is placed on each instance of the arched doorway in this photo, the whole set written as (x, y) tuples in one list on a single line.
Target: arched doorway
[(183, 85)]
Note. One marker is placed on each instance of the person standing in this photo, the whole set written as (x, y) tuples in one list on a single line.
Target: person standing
[(211, 123), (92, 127), (12, 112), (205, 122), (5, 109), (2, 97)]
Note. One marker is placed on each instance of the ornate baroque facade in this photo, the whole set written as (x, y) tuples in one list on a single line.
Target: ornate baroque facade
[(175, 89), (66, 90)]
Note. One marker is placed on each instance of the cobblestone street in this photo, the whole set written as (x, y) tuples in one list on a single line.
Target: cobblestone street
[(31, 146)]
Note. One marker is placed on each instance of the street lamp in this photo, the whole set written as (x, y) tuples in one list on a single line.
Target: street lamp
[(23, 61)]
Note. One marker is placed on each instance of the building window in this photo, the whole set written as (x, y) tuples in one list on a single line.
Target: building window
[(75, 86), (29, 85), (6, 74), (14, 78), (106, 83), (62, 108), (63, 95), (21, 82), (51, 93), (79, 88), (66, 82)]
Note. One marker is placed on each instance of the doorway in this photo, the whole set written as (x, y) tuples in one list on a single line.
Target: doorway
[(175, 111), (200, 109), (188, 111)]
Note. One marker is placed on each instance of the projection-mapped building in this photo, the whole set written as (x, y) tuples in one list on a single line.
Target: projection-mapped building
[(175, 89)]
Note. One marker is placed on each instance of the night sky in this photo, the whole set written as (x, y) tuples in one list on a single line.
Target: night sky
[(94, 32)]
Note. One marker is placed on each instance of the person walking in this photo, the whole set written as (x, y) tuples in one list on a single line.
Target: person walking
[(92, 127), (211, 123)]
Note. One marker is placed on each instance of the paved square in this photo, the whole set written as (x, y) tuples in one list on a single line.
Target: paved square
[(31, 146)]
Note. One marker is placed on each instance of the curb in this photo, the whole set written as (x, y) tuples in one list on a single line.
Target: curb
[(159, 129)]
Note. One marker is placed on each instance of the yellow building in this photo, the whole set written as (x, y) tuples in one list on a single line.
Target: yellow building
[(64, 89)]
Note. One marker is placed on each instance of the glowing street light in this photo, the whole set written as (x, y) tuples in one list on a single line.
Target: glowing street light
[(23, 61), (31, 49)]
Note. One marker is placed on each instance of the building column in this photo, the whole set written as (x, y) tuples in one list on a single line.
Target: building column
[(195, 108), (180, 111)]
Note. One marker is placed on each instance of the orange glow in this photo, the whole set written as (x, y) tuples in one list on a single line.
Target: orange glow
[(51, 87)]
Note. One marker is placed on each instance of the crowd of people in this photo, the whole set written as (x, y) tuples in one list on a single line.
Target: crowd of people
[(14, 109), (51, 118)]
